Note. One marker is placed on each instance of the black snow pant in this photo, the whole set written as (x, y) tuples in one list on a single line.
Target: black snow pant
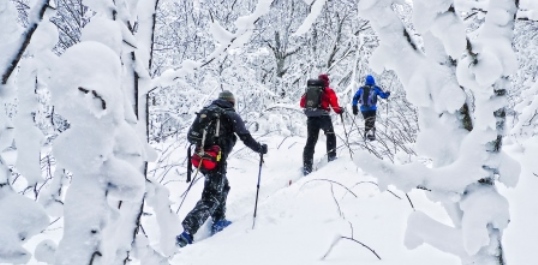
[(213, 201), (314, 124), (369, 121)]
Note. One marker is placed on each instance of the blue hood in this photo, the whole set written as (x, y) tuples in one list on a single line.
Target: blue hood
[(370, 80)]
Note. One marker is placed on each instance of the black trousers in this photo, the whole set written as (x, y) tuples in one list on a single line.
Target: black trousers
[(213, 201), (369, 121), (314, 124)]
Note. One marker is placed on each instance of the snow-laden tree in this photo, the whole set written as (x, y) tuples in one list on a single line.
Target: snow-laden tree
[(114, 26), (21, 218), (86, 90), (453, 70), (71, 16), (526, 88)]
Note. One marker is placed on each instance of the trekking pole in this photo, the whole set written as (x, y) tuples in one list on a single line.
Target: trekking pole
[(387, 117), (190, 185), (358, 128), (257, 191), (347, 138)]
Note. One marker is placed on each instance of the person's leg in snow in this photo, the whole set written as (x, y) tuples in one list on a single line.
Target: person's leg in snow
[(219, 215), (369, 124), (212, 203), (313, 126), (327, 126)]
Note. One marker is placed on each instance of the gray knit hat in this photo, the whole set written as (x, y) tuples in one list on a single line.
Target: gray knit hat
[(227, 95)]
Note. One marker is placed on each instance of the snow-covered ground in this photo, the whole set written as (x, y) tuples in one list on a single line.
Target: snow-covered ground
[(298, 223)]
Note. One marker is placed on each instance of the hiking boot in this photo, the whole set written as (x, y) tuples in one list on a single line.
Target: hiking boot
[(331, 158), (370, 135), (306, 171), (219, 226), (183, 239)]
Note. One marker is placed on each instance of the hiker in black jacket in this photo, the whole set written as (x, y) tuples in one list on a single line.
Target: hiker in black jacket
[(216, 188)]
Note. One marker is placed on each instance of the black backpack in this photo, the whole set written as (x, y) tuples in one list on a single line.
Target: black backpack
[(313, 93), (206, 128), (204, 132), (367, 97)]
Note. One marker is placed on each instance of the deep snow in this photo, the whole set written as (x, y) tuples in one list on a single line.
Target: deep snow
[(297, 223)]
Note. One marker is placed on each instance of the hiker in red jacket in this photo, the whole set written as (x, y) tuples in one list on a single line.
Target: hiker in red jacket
[(317, 104)]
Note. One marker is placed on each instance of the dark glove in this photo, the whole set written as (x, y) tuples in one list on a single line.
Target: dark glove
[(342, 110), (355, 110), (263, 149), (388, 93)]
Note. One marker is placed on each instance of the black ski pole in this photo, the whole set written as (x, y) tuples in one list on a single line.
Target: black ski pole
[(347, 138), (257, 191), (190, 185)]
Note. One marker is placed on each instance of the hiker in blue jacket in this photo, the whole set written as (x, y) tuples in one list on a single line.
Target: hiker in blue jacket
[(367, 97)]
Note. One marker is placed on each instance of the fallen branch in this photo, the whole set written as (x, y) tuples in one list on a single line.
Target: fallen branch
[(337, 203), (371, 182), (334, 182), (340, 237)]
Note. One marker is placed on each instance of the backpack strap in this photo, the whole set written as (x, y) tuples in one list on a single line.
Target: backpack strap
[(365, 97), (189, 164), (224, 123)]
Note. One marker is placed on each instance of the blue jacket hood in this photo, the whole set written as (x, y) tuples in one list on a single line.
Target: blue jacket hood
[(370, 80)]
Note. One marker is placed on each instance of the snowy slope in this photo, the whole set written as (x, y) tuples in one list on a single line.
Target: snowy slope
[(521, 236), (296, 224)]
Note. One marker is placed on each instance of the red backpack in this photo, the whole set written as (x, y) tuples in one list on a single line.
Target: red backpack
[(206, 159)]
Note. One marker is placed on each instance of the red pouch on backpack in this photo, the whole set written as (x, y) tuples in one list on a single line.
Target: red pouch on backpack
[(209, 158)]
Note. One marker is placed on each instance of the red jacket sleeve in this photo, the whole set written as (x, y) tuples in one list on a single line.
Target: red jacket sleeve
[(303, 101), (333, 100)]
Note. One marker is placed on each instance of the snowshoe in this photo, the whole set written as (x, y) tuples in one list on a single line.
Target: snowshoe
[(219, 226), (183, 239)]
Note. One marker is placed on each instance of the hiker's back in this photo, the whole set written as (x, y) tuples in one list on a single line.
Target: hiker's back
[(213, 131), (313, 98), (206, 128), (368, 96)]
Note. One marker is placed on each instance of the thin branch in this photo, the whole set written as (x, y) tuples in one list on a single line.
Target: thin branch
[(282, 142), (337, 203), (333, 244), (371, 182), (334, 182), (410, 202), (364, 245)]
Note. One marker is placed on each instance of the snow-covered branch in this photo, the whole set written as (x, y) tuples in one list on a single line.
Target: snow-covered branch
[(470, 157), (225, 41), (20, 45)]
